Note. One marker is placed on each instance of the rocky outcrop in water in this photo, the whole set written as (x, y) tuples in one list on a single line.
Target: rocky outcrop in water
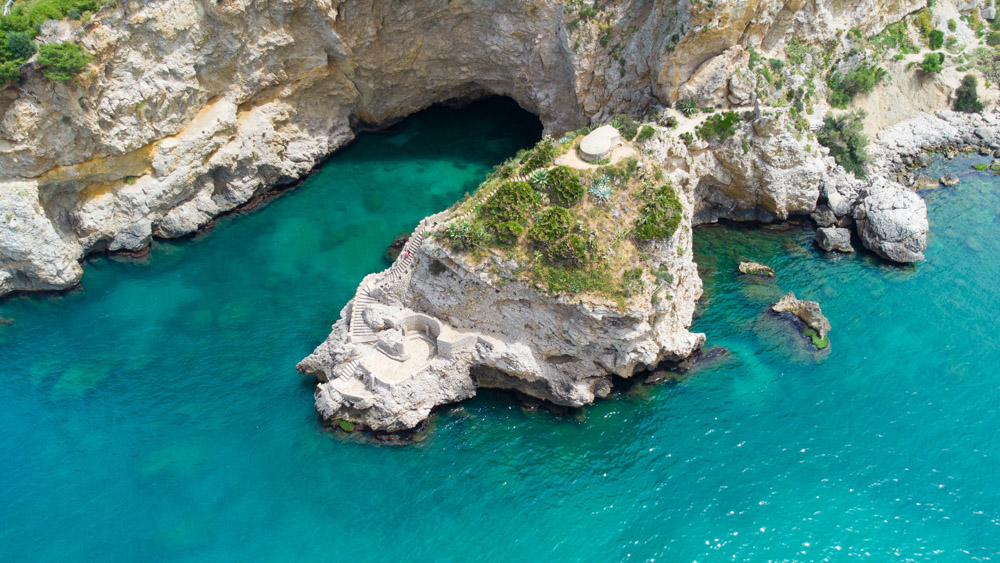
[(892, 223), (755, 269), (834, 239), (436, 327), (807, 311)]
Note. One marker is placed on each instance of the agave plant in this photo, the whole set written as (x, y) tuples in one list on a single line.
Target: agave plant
[(539, 179), (600, 190)]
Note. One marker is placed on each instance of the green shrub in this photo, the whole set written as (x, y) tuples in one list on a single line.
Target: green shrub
[(465, 235), (62, 61), (936, 39), (645, 133), (660, 216), (993, 39), (952, 25), (550, 225), (859, 80), (670, 122), (20, 45), (552, 233), (966, 97), (844, 137), (687, 107), (687, 137), (719, 126), (508, 233), (540, 156), (932, 63), (626, 126), (565, 188), (776, 64), (9, 70), (512, 201), (632, 283)]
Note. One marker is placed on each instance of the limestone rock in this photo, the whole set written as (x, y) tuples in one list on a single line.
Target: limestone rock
[(834, 239), (753, 268), (892, 223), (823, 216), (925, 182), (950, 180), (808, 311)]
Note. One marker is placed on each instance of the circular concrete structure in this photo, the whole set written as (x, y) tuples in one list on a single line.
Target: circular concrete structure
[(598, 143)]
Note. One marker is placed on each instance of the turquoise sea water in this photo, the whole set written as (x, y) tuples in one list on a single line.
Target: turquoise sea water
[(156, 414)]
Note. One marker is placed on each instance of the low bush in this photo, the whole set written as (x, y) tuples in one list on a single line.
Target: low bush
[(932, 63), (719, 126), (936, 39), (539, 156), (660, 216), (626, 126), (859, 80), (565, 188), (687, 107), (62, 61), (463, 234), (645, 133), (847, 142), (993, 39), (20, 45), (966, 97), (512, 202)]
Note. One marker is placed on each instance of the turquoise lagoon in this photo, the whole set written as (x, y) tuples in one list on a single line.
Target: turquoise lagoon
[(156, 413)]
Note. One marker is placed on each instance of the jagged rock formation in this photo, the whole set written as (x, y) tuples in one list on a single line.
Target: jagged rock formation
[(834, 239), (753, 268), (808, 311), (196, 106), (437, 327)]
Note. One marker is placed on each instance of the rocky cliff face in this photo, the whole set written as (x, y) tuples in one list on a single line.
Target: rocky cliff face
[(193, 107), (441, 327)]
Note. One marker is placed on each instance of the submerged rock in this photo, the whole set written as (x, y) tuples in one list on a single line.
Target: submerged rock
[(834, 239), (892, 223), (755, 269), (950, 180), (396, 248), (808, 311)]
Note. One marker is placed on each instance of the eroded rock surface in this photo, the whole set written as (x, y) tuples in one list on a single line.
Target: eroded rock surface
[(193, 107), (892, 223), (808, 311)]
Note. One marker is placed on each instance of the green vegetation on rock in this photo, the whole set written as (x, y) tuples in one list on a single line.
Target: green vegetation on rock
[(966, 97), (59, 61), (660, 216), (564, 186), (932, 63), (859, 80), (936, 39), (844, 136), (62, 61), (719, 126), (819, 343)]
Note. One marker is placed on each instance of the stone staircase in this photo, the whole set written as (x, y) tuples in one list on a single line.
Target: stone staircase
[(359, 330), (350, 370)]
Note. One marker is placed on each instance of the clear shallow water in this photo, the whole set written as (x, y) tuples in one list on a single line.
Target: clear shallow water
[(157, 413)]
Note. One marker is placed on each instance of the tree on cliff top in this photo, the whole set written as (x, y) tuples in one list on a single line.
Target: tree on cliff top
[(844, 137)]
